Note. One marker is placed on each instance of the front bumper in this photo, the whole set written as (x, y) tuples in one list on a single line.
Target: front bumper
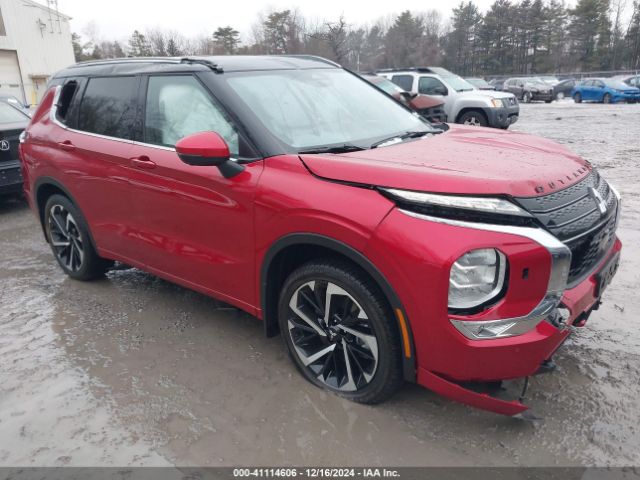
[(542, 96), (626, 98), (502, 117), (445, 357), (10, 177)]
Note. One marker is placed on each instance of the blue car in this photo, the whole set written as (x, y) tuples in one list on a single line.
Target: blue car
[(605, 90)]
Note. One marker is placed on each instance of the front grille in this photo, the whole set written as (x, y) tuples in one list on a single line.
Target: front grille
[(574, 216)]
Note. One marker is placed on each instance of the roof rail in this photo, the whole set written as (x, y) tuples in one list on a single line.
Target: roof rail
[(311, 57), (202, 61), (107, 61), (407, 69)]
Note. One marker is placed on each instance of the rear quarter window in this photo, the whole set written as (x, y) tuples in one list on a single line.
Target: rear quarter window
[(108, 107)]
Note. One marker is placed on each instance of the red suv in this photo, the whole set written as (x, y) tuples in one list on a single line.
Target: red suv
[(382, 249)]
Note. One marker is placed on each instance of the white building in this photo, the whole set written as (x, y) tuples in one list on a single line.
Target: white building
[(35, 42)]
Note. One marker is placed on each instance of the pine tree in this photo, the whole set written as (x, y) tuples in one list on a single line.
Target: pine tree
[(227, 39), (138, 45)]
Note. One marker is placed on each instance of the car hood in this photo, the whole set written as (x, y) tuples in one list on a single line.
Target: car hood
[(420, 102), (463, 160), (492, 93)]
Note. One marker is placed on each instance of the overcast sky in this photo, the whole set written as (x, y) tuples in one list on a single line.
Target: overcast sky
[(116, 19)]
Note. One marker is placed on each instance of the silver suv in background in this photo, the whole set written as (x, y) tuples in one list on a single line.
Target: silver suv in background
[(463, 103)]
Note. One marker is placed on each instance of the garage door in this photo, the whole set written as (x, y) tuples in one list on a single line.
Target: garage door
[(10, 74)]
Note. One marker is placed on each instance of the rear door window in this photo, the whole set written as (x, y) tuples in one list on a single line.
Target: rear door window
[(405, 82), (108, 107)]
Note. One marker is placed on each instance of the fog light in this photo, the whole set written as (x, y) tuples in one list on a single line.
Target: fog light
[(476, 278)]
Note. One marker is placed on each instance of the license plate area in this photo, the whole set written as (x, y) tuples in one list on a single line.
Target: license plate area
[(606, 274)]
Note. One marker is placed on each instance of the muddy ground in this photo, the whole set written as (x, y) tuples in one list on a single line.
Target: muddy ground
[(132, 370)]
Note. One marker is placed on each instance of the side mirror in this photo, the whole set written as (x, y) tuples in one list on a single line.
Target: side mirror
[(208, 149), (440, 91)]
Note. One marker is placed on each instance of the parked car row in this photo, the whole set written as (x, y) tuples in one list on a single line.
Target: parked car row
[(548, 88)]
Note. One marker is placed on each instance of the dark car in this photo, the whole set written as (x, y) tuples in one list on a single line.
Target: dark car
[(480, 83), (631, 80), (497, 83), (14, 102), (529, 89), (430, 108), (564, 88), (12, 122)]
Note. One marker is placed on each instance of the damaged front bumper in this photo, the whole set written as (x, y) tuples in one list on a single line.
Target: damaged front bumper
[(572, 312)]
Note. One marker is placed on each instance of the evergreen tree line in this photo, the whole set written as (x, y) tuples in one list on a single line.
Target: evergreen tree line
[(512, 37)]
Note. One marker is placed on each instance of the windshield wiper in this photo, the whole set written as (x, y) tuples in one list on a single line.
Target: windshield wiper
[(405, 135), (333, 149)]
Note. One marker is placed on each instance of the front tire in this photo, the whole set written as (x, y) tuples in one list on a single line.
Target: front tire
[(526, 97), (70, 241), (560, 96), (339, 331), (606, 98), (473, 118)]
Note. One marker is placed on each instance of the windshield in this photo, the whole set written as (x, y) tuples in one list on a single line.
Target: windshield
[(322, 107), (478, 82), (616, 84), (8, 114), (459, 84)]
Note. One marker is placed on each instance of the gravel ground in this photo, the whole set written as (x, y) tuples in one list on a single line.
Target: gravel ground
[(132, 370)]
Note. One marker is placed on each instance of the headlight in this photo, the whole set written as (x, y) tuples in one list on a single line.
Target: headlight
[(476, 278), (479, 204), (496, 102)]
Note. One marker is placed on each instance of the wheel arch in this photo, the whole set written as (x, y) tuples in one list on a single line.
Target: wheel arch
[(44, 188), (292, 250), (482, 110)]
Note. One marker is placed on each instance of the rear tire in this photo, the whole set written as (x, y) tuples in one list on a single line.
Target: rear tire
[(68, 235), (577, 97), (606, 98), (526, 97), (560, 96), (474, 118), (339, 331)]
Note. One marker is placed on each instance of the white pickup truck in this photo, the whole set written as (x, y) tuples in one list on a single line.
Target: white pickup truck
[(463, 103)]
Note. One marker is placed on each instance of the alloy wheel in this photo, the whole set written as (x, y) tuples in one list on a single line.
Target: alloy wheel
[(66, 238), (332, 336), (473, 121)]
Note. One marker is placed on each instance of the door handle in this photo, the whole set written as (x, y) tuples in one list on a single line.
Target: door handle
[(67, 145), (143, 162)]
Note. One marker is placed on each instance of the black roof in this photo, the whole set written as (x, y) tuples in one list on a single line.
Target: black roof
[(219, 64)]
